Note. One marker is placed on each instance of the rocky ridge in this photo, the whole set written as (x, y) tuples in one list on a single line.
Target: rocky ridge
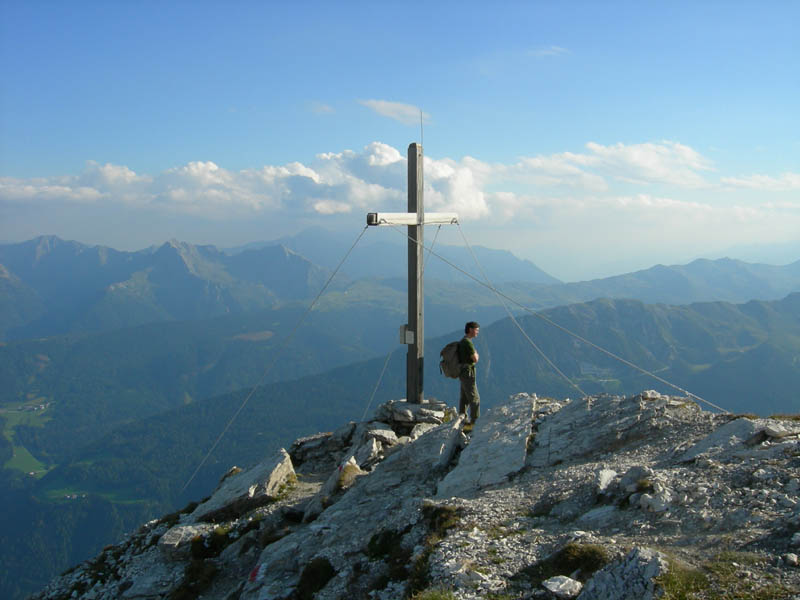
[(606, 497)]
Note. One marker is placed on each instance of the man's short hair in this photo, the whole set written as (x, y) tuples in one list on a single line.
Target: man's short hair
[(470, 325)]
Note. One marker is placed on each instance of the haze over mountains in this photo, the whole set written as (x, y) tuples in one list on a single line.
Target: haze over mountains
[(49, 286), (119, 369)]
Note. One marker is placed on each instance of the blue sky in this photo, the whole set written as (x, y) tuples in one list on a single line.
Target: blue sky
[(592, 138)]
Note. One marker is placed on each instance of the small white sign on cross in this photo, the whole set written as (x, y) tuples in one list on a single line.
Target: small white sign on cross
[(416, 218)]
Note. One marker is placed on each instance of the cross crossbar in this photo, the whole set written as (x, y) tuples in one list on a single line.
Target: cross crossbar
[(412, 218)]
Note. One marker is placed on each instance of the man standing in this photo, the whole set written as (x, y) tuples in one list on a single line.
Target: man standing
[(468, 357)]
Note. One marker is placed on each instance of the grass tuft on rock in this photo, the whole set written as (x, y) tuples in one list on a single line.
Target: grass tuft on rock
[(434, 594), (723, 576), (681, 582), (578, 560)]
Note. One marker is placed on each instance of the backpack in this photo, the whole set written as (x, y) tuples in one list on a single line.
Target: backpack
[(450, 366)]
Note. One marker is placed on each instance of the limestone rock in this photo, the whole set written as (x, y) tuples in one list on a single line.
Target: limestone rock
[(367, 454), (604, 479), (339, 480), (589, 427), (402, 412), (247, 489), (629, 579), (498, 448), (636, 479), (386, 501), (738, 434), (176, 544), (419, 429), (562, 586), (383, 435)]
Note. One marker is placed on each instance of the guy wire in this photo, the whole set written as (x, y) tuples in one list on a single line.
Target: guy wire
[(269, 367), (567, 331)]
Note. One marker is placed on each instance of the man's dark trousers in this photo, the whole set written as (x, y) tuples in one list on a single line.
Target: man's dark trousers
[(469, 398)]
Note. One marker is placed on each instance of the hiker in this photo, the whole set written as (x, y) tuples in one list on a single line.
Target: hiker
[(467, 357)]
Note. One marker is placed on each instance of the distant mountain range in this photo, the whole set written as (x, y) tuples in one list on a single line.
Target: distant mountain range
[(49, 286), (385, 257)]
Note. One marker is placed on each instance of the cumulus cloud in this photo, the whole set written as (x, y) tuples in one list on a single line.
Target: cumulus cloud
[(374, 178), (406, 114), (650, 194), (451, 186), (97, 175)]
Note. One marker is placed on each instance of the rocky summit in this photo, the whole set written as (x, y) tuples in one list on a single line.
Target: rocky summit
[(606, 497)]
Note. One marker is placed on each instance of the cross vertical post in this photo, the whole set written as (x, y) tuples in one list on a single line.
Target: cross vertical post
[(416, 304), (413, 333)]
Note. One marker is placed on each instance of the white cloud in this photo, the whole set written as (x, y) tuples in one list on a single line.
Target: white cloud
[(633, 200), (41, 191), (455, 187), (666, 162), (596, 170), (374, 179), (786, 182), (109, 175), (406, 114), (565, 170)]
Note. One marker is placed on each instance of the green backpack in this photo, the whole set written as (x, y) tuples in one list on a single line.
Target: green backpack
[(449, 365)]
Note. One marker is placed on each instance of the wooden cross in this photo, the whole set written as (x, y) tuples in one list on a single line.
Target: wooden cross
[(414, 332)]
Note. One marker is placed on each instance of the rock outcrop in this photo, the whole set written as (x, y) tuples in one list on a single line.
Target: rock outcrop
[(601, 498)]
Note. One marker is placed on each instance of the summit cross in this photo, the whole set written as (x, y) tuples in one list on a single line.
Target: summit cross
[(415, 219)]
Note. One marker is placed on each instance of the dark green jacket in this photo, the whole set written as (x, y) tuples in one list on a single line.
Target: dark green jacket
[(465, 351)]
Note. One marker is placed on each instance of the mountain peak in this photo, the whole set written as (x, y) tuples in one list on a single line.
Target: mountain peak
[(603, 496), (46, 244)]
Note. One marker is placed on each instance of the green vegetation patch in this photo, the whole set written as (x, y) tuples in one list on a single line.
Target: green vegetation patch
[(439, 519), (681, 582), (24, 461), (434, 594), (22, 413), (725, 575), (15, 415), (63, 494), (582, 560), (720, 577), (786, 417), (388, 546), (70, 493)]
